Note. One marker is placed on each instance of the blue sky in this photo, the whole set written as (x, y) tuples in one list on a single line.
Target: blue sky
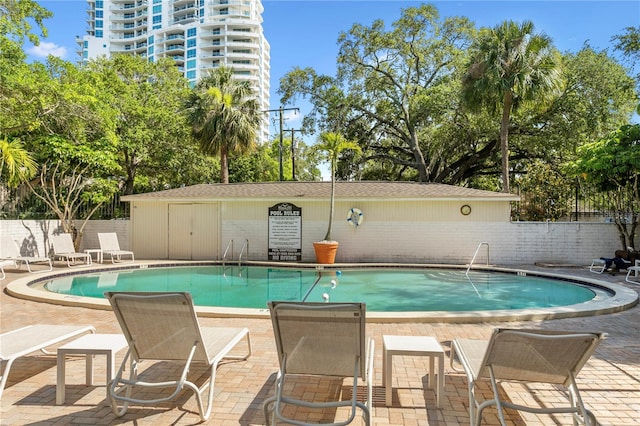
[(303, 33)]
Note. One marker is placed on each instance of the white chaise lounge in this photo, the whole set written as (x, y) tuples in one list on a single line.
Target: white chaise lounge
[(23, 341), (109, 245), (9, 250), (63, 248), (163, 327)]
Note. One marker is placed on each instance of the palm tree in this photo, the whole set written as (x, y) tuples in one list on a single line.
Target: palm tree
[(509, 65), (224, 117), (332, 145), (16, 164)]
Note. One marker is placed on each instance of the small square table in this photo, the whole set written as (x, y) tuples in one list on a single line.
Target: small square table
[(412, 346), (89, 345), (98, 253)]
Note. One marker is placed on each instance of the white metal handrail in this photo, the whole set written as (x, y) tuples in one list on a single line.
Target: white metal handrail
[(476, 254), (226, 250), (245, 246)]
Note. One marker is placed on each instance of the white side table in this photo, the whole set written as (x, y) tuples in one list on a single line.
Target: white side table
[(98, 253), (412, 346), (89, 345)]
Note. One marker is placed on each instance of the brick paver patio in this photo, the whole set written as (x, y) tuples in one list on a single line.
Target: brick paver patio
[(610, 382)]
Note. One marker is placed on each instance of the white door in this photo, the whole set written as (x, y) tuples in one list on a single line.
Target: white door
[(193, 231), (205, 244), (180, 231)]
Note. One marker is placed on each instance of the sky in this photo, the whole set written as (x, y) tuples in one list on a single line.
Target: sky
[(304, 33)]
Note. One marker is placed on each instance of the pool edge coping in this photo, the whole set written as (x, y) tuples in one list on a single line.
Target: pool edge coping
[(624, 298)]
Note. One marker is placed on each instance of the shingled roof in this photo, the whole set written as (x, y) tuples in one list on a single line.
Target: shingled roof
[(320, 190)]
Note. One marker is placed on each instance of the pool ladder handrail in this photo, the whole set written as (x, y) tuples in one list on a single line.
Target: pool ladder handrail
[(476, 254), (226, 250), (245, 246)]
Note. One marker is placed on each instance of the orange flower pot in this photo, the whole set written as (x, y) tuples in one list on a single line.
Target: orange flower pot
[(326, 252)]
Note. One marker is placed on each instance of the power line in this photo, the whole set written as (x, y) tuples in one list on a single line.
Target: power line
[(293, 153), (280, 111)]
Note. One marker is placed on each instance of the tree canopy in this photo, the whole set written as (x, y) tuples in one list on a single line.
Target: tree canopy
[(612, 165), (510, 65), (224, 117)]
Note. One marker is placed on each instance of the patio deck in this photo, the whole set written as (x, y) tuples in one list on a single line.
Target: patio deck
[(610, 382)]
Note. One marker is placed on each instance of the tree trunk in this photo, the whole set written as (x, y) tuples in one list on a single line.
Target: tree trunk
[(421, 165), (224, 165), (504, 139), (327, 237)]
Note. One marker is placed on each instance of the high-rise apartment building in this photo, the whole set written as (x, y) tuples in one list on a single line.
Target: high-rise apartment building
[(197, 34)]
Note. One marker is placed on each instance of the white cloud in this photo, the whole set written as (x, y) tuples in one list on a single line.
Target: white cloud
[(45, 49), (292, 116)]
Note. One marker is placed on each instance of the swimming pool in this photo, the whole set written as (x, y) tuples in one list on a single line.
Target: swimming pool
[(610, 297), (383, 290)]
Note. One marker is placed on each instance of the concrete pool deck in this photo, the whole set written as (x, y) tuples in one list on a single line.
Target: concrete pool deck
[(610, 381)]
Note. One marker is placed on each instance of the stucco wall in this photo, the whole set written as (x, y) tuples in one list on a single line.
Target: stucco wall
[(519, 243)]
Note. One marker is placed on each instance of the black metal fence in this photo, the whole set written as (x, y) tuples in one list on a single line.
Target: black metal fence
[(574, 205), (13, 206)]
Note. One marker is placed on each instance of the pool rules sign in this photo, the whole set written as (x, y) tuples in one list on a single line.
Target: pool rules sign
[(285, 233)]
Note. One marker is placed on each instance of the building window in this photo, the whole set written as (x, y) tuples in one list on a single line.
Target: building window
[(99, 34), (191, 43), (156, 27), (157, 19), (99, 4), (191, 53), (99, 24), (224, 11), (191, 64), (191, 32), (157, 9), (151, 38), (191, 75), (99, 14)]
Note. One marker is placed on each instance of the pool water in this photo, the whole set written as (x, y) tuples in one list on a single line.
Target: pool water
[(383, 290)]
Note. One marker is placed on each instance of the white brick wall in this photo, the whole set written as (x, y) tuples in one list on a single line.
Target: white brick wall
[(404, 242), (33, 235)]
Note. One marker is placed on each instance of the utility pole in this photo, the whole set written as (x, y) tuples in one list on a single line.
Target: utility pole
[(293, 154), (281, 110)]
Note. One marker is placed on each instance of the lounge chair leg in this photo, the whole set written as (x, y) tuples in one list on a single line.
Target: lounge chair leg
[(267, 407), (111, 386), (494, 386), (472, 402), (585, 415), (5, 374)]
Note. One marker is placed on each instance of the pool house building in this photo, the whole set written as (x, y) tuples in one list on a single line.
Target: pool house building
[(398, 222)]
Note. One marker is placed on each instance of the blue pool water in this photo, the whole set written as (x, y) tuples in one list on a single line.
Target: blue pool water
[(383, 290)]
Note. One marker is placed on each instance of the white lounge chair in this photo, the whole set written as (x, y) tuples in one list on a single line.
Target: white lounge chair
[(4, 263), (63, 248), (527, 356), (633, 270), (9, 250), (320, 339), (23, 341), (109, 245), (164, 327)]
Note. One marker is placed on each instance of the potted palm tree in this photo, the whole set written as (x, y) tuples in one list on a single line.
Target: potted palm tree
[(331, 145)]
